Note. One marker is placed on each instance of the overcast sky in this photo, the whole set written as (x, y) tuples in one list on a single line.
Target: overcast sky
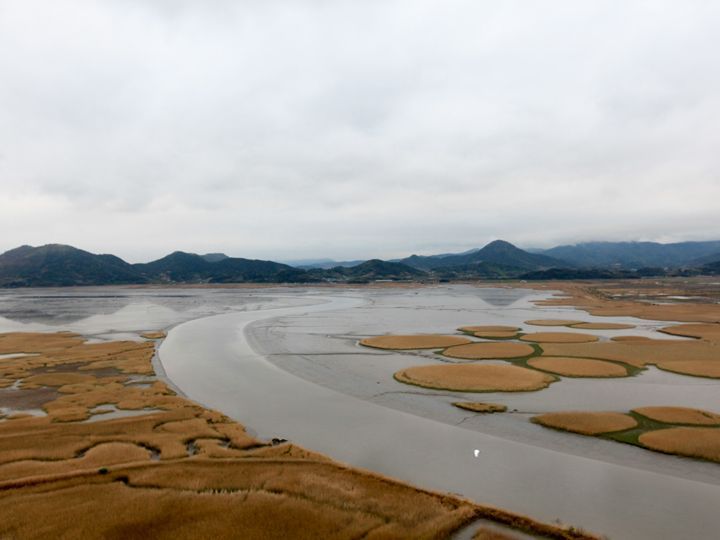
[(372, 128)]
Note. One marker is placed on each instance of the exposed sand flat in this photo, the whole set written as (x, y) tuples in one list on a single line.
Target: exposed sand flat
[(710, 332), (475, 378), (680, 415), (426, 341), (586, 423), (578, 367), (486, 351), (602, 326), (558, 337), (552, 322), (480, 407), (699, 442)]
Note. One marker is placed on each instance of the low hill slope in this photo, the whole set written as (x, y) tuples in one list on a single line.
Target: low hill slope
[(61, 265), (497, 257)]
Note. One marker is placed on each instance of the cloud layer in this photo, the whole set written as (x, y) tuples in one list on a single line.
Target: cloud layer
[(291, 129)]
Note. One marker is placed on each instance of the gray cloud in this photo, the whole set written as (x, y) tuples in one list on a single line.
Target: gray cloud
[(356, 129)]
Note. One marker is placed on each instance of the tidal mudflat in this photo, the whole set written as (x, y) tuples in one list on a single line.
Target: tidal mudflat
[(108, 434), (325, 348), (288, 363)]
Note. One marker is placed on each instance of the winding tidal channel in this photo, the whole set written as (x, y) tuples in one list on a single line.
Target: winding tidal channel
[(220, 362)]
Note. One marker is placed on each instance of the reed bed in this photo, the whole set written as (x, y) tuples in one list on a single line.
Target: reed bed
[(475, 378), (423, 341), (489, 350), (558, 337), (578, 367), (586, 423)]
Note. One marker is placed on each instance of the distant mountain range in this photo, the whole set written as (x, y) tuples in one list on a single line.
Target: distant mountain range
[(60, 265), (629, 255)]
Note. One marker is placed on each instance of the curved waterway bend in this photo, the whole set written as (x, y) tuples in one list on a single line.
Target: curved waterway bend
[(211, 362)]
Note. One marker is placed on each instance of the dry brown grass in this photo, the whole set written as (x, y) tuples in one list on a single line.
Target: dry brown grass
[(559, 337), (201, 498), (490, 534), (553, 322), (36, 342), (696, 368), (578, 367), (102, 455), (700, 357), (495, 335), (630, 338), (157, 334), (602, 326), (475, 378), (586, 423), (423, 341), (710, 332), (53, 352), (589, 299), (680, 415), (480, 407), (487, 351), (489, 328), (698, 442)]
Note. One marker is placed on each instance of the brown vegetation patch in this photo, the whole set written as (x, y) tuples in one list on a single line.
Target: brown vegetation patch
[(586, 423), (480, 407), (487, 351), (696, 368), (36, 342), (700, 331), (600, 304), (54, 352), (680, 415), (495, 335), (630, 338), (491, 534), (489, 328), (642, 352), (423, 341), (203, 498), (602, 326), (553, 322), (558, 337), (475, 378), (578, 367), (699, 442), (102, 455), (159, 334)]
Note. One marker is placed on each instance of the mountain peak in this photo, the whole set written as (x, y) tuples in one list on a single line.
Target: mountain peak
[(497, 245)]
